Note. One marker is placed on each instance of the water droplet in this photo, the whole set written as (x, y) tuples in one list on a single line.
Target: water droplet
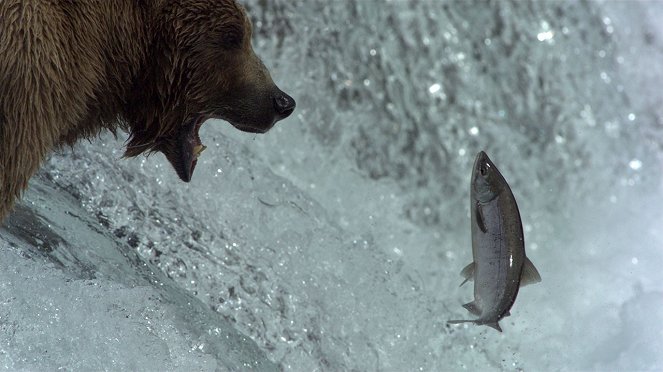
[(605, 77), (545, 36), (635, 164)]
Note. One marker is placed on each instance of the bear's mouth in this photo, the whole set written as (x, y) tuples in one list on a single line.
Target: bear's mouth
[(195, 146), (184, 149), (184, 156)]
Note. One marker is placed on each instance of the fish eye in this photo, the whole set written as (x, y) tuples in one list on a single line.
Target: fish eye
[(483, 170)]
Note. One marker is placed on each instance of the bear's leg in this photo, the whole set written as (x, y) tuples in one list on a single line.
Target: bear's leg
[(22, 149)]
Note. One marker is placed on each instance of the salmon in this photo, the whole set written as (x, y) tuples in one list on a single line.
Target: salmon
[(500, 266)]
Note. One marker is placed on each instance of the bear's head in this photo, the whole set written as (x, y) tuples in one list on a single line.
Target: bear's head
[(201, 66)]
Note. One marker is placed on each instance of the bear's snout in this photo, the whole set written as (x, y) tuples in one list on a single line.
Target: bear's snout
[(284, 105)]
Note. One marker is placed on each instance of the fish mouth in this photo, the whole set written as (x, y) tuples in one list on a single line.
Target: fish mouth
[(482, 158)]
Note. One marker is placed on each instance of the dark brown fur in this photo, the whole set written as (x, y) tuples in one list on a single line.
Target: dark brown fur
[(155, 68)]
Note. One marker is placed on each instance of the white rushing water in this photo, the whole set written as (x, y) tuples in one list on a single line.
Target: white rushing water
[(335, 241)]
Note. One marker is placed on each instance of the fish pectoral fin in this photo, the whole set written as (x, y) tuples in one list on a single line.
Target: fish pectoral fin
[(481, 221), (472, 308), (467, 273), (530, 274), (494, 325)]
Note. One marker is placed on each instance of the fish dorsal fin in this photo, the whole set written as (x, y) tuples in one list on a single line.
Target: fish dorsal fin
[(481, 221), (530, 275), (467, 273), (472, 308), (495, 325)]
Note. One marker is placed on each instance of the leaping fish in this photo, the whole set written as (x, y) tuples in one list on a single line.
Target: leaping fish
[(500, 266)]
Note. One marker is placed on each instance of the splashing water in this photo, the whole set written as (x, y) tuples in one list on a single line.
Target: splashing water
[(334, 241)]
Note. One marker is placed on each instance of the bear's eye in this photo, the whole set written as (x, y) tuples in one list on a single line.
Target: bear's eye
[(232, 37)]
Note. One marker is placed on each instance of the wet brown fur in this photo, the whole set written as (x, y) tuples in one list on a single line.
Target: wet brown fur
[(69, 69)]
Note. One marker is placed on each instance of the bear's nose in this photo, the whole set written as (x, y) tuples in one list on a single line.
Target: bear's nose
[(284, 105)]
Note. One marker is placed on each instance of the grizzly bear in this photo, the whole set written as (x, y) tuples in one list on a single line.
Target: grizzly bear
[(157, 69)]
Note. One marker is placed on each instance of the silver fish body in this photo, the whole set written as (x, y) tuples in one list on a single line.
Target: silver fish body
[(500, 266)]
